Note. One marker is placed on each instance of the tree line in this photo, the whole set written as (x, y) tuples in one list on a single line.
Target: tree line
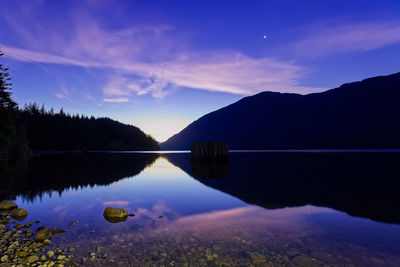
[(48, 130), (35, 128)]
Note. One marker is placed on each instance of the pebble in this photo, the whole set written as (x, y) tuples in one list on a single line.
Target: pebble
[(32, 259), (51, 254), (61, 257)]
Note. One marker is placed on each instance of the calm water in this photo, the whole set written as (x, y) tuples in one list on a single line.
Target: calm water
[(263, 209)]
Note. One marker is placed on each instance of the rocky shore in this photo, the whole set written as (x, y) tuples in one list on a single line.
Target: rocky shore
[(29, 244)]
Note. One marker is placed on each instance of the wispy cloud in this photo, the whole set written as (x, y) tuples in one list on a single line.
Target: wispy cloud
[(116, 100), (330, 38), (153, 60), (222, 71), (158, 59), (63, 94)]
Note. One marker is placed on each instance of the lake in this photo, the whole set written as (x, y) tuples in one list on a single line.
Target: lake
[(261, 209)]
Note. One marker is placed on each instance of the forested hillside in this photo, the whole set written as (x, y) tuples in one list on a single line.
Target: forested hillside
[(47, 130)]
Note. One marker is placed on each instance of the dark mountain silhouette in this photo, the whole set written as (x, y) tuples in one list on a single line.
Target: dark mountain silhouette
[(355, 115), (360, 184)]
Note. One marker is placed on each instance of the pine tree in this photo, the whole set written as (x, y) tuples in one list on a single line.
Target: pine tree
[(6, 101), (13, 142)]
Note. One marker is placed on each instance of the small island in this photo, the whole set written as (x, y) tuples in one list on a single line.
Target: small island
[(209, 151)]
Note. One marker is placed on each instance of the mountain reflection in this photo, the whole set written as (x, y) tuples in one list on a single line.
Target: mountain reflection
[(360, 184), (51, 174)]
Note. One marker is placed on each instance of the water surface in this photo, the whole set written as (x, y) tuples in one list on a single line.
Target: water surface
[(260, 210)]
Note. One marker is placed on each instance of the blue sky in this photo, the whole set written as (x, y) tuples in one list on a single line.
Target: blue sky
[(160, 65)]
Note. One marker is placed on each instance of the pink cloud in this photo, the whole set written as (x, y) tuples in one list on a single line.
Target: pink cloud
[(116, 203), (152, 60), (116, 100), (230, 72)]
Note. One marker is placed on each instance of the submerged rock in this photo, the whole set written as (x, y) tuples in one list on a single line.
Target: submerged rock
[(115, 220), (29, 234), (57, 231), (43, 234), (19, 214), (115, 215), (18, 226), (7, 205)]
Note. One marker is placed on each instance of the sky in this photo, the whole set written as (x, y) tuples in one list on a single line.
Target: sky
[(160, 65)]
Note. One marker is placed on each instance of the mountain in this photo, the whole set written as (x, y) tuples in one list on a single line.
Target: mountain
[(361, 114)]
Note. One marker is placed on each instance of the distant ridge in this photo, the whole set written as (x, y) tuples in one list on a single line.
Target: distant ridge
[(363, 114)]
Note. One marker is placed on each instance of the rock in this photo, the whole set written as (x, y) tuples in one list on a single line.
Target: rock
[(160, 217), (115, 215), (131, 215), (29, 234), (22, 254), (19, 214), (73, 223), (257, 258), (19, 226), (32, 259), (56, 231), (43, 234), (4, 258), (2, 228), (209, 257), (51, 254), (7, 205), (47, 242), (71, 249)]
